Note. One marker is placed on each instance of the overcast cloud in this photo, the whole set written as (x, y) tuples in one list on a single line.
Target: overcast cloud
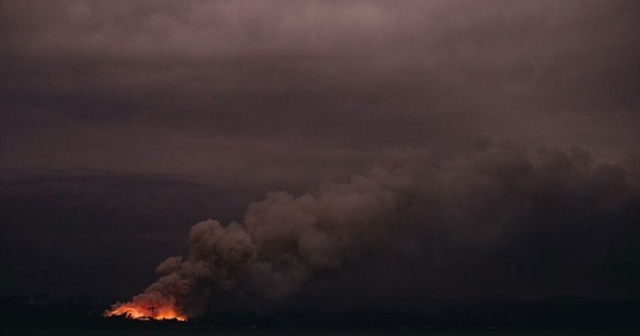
[(211, 104)]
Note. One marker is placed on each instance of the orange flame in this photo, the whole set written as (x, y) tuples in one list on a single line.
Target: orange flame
[(135, 312)]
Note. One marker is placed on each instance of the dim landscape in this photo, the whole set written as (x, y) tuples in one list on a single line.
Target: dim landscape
[(355, 167)]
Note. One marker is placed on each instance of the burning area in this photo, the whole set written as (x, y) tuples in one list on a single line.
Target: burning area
[(145, 313)]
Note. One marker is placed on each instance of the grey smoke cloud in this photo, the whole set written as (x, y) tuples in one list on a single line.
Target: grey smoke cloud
[(282, 243), (496, 221)]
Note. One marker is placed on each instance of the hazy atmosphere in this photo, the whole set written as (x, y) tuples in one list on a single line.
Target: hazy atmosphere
[(362, 150)]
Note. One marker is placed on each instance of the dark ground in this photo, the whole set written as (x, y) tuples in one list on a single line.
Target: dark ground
[(21, 314)]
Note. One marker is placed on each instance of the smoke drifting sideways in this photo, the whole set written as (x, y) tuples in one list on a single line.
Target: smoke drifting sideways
[(498, 220)]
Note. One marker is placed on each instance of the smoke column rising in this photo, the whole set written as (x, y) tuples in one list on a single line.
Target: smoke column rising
[(496, 220), (283, 241)]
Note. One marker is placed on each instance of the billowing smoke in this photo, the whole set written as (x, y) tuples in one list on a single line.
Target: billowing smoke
[(495, 221)]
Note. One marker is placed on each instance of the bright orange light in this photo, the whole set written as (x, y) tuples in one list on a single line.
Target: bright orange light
[(132, 311)]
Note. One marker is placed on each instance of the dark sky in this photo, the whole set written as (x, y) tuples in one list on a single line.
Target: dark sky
[(123, 123)]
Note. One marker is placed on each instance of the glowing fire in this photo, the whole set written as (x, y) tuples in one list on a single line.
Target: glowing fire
[(135, 312)]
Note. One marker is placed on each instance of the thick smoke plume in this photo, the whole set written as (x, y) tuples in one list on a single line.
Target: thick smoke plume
[(495, 221)]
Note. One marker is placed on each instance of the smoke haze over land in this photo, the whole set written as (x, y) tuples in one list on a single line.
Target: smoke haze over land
[(495, 222), (363, 148)]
